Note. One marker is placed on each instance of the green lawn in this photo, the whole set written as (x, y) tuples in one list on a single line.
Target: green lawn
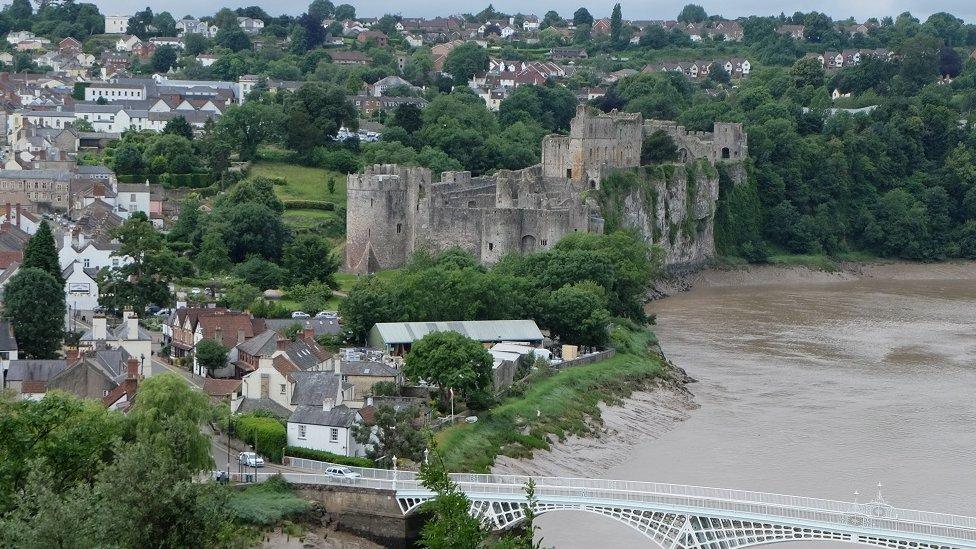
[(561, 404), (303, 183)]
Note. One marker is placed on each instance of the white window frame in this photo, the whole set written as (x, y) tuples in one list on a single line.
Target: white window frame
[(334, 434), (302, 432)]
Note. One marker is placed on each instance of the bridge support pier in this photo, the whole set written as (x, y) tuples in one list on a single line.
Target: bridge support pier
[(370, 514)]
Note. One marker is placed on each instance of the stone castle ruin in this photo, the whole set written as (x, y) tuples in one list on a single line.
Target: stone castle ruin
[(395, 210)]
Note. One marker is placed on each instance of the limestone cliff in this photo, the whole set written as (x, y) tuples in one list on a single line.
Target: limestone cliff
[(670, 205)]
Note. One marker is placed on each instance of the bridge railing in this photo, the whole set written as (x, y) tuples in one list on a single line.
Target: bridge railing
[(691, 498), (738, 496)]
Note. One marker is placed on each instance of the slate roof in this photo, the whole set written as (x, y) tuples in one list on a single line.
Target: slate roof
[(35, 370), (311, 387), (319, 326), (338, 416), (266, 404), (264, 343), (479, 330)]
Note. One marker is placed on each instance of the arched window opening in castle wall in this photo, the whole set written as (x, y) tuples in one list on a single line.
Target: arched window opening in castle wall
[(725, 152), (528, 244)]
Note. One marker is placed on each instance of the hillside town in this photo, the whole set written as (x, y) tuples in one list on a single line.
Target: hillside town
[(240, 246)]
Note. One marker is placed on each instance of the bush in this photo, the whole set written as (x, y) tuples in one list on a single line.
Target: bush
[(338, 160), (267, 434), (319, 455), (263, 308), (309, 205)]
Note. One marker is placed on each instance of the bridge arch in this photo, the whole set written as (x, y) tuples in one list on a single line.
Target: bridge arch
[(669, 530)]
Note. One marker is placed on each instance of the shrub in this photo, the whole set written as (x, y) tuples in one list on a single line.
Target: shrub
[(267, 434), (263, 308), (338, 160), (319, 455), (309, 205)]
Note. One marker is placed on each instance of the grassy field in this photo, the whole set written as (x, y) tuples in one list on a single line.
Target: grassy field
[(560, 404), (303, 183)]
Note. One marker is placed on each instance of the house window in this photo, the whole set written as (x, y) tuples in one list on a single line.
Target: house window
[(87, 263), (115, 262), (281, 389), (301, 432), (334, 435)]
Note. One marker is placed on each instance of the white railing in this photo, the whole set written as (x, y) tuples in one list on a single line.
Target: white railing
[(691, 499)]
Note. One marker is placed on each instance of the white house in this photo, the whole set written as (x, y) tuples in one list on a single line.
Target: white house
[(90, 253), (15, 38), (250, 25), (327, 427), (133, 197), (116, 24), (126, 42), (80, 288), (127, 335), (115, 92), (8, 346)]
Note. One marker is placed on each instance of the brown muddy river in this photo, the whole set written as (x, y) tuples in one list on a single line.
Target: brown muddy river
[(816, 390)]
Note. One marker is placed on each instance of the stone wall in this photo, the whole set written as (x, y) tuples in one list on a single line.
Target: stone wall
[(371, 514)]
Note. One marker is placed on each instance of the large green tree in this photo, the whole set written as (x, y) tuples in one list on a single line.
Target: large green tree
[(41, 253), (211, 355), (309, 257), (33, 302), (465, 61), (450, 360)]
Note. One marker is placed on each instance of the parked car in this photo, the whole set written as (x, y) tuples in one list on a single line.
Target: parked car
[(300, 314), (342, 472), (327, 314), (152, 309), (250, 459), (164, 312)]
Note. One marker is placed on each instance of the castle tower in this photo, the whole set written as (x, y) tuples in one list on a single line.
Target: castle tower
[(381, 217), (729, 142), (596, 143)]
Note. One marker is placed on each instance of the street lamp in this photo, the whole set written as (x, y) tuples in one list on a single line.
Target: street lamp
[(142, 365)]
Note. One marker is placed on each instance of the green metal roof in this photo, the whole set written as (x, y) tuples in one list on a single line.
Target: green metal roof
[(393, 333)]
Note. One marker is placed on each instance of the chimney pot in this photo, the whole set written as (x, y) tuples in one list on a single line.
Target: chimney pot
[(132, 368), (281, 344)]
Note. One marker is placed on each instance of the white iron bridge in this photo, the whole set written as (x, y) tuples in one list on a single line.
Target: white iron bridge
[(674, 516)]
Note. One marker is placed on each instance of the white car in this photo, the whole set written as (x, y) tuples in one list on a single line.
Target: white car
[(341, 472), (327, 314), (300, 314), (250, 459)]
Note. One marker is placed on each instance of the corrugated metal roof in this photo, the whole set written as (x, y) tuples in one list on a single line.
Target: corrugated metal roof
[(393, 333)]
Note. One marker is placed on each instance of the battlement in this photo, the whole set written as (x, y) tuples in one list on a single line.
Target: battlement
[(612, 125), (387, 177)]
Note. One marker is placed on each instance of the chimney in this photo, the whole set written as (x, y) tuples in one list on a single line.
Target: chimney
[(281, 343), (337, 365), (99, 327), (308, 333), (72, 354), (132, 369), (131, 324), (240, 336), (326, 404)]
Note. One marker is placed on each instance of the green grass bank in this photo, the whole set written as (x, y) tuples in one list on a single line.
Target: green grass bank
[(554, 405)]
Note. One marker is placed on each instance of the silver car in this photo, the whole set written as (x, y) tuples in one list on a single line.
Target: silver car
[(250, 459)]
